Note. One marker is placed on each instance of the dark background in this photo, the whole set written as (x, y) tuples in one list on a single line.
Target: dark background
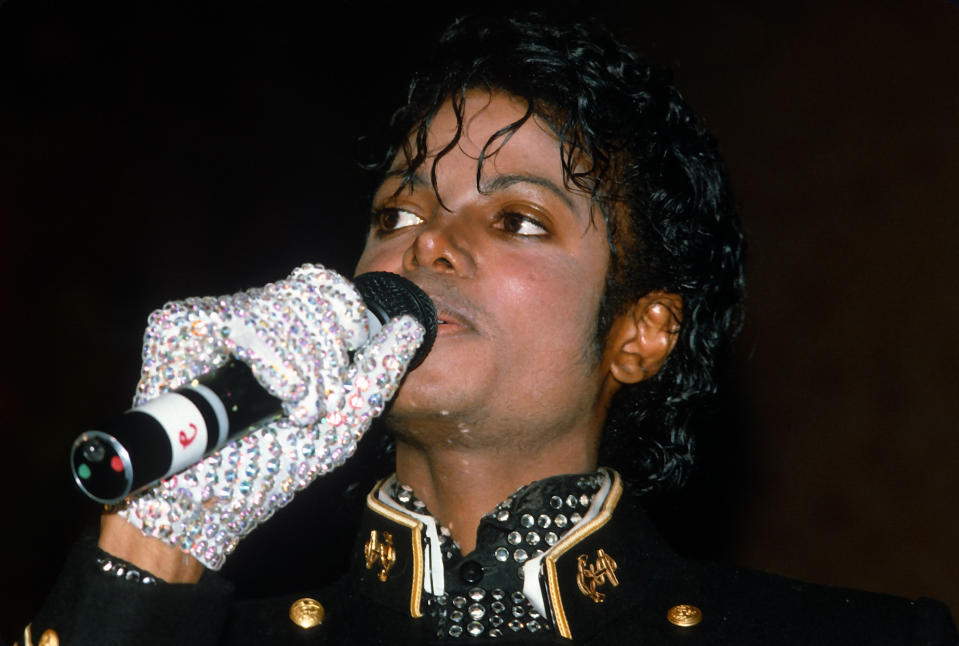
[(157, 150)]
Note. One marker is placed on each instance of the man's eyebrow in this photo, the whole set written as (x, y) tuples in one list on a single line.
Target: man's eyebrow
[(418, 180), (502, 182), (498, 183)]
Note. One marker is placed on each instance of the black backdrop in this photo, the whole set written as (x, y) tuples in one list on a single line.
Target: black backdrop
[(151, 151)]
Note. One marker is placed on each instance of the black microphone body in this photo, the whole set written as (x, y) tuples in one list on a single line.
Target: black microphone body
[(179, 428)]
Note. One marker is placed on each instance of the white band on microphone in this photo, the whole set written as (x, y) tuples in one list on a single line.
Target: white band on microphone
[(184, 425), (218, 409)]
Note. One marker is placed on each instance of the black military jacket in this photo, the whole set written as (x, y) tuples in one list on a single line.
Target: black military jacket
[(613, 581)]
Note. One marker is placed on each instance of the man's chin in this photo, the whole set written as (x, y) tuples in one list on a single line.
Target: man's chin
[(427, 403)]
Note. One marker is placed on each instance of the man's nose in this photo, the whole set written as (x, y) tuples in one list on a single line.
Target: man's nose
[(443, 245)]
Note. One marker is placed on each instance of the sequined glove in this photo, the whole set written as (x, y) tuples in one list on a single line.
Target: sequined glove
[(296, 335)]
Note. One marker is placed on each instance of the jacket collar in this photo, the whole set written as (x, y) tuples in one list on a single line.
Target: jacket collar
[(596, 572)]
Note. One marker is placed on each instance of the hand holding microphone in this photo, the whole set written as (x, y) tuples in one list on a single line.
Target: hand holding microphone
[(297, 337)]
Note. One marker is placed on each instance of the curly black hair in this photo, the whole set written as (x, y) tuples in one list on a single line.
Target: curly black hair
[(628, 139)]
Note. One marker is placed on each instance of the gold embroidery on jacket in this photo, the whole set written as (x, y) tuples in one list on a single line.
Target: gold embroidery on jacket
[(590, 576), (380, 551)]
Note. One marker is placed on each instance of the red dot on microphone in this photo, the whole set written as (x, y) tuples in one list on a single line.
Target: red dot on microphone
[(116, 464)]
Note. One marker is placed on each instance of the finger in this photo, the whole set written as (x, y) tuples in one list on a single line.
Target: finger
[(181, 342), (379, 366), (344, 303)]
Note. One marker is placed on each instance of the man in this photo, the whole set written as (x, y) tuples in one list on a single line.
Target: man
[(572, 223)]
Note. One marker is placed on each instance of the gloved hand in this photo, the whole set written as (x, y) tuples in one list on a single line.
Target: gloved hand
[(296, 335)]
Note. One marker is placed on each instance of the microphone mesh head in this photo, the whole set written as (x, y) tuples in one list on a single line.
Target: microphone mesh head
[(390, 295)]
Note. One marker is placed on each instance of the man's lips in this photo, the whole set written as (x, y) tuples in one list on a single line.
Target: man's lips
[(450, 318), (447, 323)]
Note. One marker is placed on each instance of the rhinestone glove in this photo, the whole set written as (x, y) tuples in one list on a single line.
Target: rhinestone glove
[(296, 336)]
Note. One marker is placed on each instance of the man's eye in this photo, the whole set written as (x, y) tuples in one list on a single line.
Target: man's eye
[(392, 219), (521, 225)]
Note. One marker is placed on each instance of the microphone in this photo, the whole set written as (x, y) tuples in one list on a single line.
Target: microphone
[(179, 428)]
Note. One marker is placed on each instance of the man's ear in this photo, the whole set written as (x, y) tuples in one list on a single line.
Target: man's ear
[(642, 337)]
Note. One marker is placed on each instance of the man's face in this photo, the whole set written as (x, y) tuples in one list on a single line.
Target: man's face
[(516, 270)]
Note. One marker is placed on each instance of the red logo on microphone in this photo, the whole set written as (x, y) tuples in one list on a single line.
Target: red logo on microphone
[(187, 441)]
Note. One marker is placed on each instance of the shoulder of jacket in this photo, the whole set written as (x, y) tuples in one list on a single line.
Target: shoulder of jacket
[(736, 605)]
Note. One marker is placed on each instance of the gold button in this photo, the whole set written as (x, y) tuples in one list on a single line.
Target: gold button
[(684, 615), (307, 612), (49, 638)]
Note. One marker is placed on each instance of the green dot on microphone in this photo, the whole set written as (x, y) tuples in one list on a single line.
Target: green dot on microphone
[(83, 471)]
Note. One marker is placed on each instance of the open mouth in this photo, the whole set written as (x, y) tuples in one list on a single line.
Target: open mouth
[(450, 316), (449, 321)]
